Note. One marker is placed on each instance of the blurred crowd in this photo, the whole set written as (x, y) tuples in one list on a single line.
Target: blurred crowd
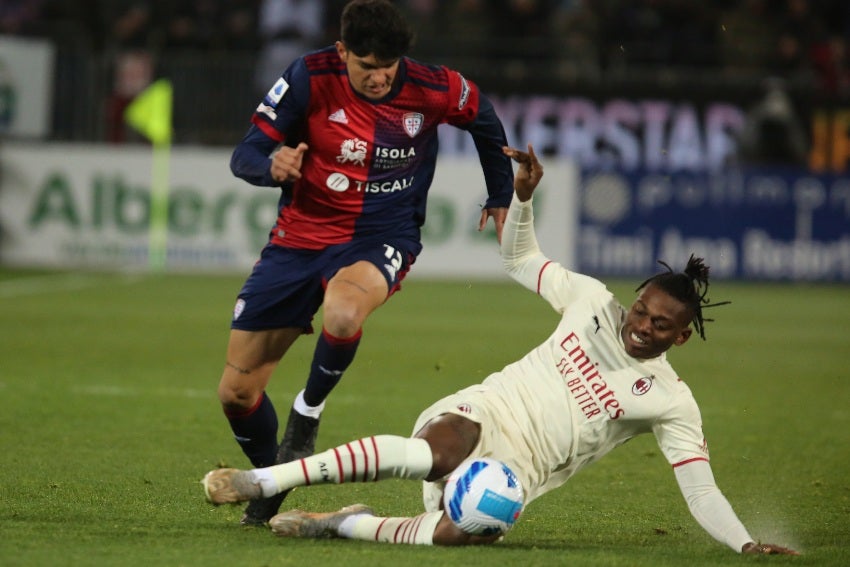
[(793, 39), (801, 43)]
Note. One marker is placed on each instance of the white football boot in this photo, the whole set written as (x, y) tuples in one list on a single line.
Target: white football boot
[(297, 523)]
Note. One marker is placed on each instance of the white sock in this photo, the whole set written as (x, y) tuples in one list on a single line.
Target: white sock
[(365, 460), (417, 530), (309, 411)]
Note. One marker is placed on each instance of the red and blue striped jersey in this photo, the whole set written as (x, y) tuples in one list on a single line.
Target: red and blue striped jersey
[(370, 163)]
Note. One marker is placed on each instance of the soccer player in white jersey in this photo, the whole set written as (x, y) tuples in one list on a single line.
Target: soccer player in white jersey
[(601, 378)]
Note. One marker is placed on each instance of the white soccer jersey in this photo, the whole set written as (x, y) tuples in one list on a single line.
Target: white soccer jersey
[(578, 395)]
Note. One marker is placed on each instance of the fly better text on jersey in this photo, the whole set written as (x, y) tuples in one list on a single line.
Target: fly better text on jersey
[(586, 384)]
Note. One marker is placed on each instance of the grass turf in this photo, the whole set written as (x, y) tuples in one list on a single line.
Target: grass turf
[(110, 418)]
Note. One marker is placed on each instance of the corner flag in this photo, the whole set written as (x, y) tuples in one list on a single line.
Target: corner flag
[(150, 114)]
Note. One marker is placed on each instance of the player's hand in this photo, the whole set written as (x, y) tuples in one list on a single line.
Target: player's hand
[(286, 163), (754, 548), (499, 215), (528, 174)]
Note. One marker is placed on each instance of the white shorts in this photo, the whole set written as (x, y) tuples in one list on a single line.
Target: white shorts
[(500, 435)]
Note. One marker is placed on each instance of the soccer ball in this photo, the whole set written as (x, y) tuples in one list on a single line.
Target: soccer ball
[(483, 497)]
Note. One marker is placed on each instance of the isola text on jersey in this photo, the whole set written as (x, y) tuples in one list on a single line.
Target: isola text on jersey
[(395, 153)]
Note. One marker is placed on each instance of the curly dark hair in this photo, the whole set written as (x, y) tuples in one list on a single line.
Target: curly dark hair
[(375, 27), (690, 287)]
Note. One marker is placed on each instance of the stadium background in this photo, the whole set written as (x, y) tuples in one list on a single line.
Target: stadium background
[(108, 375), (720, 128)]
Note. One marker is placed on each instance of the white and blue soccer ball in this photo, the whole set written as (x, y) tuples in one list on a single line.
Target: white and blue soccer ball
[(483, 497)]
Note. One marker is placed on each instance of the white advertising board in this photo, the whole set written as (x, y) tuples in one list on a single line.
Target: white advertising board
[(26, 86), (66, 205)]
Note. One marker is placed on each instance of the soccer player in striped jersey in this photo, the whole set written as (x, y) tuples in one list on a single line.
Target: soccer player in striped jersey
[(349, 134), (600, 379)]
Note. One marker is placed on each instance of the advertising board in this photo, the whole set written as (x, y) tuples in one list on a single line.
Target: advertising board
[(72, 205)]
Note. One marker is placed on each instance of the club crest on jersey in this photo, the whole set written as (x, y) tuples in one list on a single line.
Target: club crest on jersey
[(642, 385), (412, 122), (353, 150)]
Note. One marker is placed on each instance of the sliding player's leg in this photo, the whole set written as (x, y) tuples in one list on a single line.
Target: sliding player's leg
[(359, 522), (365, 460)]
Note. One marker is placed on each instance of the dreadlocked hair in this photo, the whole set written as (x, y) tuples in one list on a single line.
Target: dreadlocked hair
[(690, 287)]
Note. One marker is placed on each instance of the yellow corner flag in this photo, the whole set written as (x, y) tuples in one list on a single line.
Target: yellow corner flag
[(150, 112)]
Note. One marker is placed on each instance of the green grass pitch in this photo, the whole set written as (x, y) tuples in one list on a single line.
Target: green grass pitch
[(109, 419)]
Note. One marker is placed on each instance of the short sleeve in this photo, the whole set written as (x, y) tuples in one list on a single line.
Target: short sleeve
[(679, 430)]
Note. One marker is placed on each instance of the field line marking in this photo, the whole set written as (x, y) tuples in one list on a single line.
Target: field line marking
[(35, 285), (135, 392)]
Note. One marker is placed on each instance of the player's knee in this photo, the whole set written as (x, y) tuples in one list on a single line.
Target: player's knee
[(448, 448), (237, 398), (451, 438), (444, 461), (342, 319)]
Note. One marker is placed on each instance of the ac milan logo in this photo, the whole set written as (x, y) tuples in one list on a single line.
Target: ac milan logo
[(412, 122), (642, 385)]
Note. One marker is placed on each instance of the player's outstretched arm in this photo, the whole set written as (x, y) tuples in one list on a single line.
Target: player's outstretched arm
[(714, 513), (521, 254), (754, 548)]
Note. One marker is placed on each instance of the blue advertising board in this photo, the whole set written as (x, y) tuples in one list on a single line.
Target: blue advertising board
[(750, 224)]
